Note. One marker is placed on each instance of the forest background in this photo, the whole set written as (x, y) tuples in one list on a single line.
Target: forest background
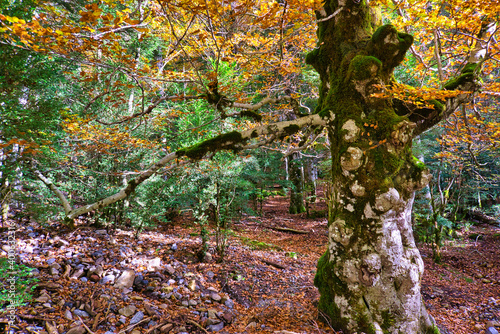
[(95, 96)]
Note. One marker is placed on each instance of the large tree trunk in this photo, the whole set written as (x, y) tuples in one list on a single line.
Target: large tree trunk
[(369, 278)]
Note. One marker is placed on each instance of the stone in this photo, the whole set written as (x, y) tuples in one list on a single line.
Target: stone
[(68, 315), (166, 328), (84, 279), (215, 297), (491, 330), (185, 303), (193, 302), (150, 310), (229, 303), (227, 317), (169, 269), (81, 313), (94, 278), (137, 317), (127, 311), (108, 279), (174, 247), (216, 327), (77, 273), (95, 270), (138, 279), (154, 264), (126, 279), (43, 298), (51, 261), (212, 314), (77, 330)]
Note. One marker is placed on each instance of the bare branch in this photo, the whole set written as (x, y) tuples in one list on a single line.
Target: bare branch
[(55, 190), (151, 108)]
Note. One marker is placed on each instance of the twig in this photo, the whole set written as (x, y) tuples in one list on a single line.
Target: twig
[(274, 264), (132, 326), (289, 230), (86, 327), (192, 322), (32, 317)]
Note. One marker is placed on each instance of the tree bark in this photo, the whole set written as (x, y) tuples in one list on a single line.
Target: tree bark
[(369, 278), (296, 176)]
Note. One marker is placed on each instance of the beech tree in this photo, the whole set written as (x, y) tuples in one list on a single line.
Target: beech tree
[(369, 277)]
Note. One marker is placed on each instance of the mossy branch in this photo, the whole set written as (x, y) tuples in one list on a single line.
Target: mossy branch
[(230, 141)]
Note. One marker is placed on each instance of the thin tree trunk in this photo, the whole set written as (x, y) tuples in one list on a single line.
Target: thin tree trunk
[(297, 178)]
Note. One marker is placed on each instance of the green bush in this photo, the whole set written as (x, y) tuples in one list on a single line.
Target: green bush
[(17, 283)]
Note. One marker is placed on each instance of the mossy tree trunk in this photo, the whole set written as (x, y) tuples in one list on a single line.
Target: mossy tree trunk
[(369, 278)]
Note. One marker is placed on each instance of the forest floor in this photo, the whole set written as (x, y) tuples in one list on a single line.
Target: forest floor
[(107, 281)]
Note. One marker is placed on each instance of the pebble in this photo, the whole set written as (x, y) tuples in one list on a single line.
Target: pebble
[(229, 303), (81, 313), (77, 330), (78, 273), (174, 247), (212, 314), (108, 279), (68, 315), (51, 261), (137, 317), (170, 269), (491, 330), (216, 327), (127, 311), (126, 279), (43, 299), (216, 297)]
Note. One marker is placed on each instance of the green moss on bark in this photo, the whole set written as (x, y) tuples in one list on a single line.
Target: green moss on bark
[(363, 67), (390, 46), (327, 282), (227, 141), (467, 75), (251, 114), (458, 81)]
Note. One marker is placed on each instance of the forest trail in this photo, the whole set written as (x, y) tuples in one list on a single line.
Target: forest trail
[(265, 283)]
